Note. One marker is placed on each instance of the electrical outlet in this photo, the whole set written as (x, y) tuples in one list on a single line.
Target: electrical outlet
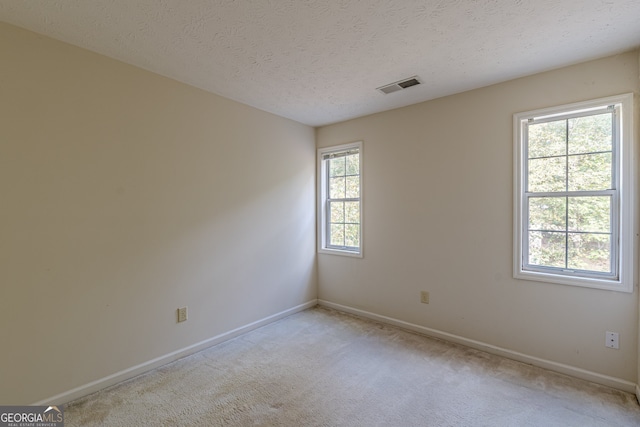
[(612, 340), (424, 297), (182, 314)]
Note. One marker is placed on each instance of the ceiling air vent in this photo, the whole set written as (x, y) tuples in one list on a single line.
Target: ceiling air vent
[(402, 84)]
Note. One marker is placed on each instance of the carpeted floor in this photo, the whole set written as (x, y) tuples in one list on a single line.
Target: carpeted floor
[(325, 368)]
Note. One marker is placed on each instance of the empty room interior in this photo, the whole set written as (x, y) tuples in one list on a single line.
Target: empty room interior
[(175, 176)]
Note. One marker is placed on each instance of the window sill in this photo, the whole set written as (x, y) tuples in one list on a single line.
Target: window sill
[(584, 282), (340, 252)]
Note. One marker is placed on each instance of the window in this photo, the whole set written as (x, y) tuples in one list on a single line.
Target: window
[(574, 198), (340, 200)]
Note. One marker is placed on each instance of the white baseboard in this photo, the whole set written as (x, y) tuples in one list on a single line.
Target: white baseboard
[(134, 371), (532, 360)]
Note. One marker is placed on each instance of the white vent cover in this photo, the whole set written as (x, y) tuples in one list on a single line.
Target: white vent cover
[(402, 84)]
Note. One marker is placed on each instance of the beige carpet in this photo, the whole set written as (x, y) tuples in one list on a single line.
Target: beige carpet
[(325, 368)]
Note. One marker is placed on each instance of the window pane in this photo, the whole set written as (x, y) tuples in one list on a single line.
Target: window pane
[(572, 223), (339, 195), (336, 235), (337, 166), (590, 172), (547, 174), (336, 210), (547, 213), (353, 164), (548, 139), (352, 212), (590, 134), (547, 249), (352, 235), (590, 214), (590, 252), (337, 187), (353, 187)]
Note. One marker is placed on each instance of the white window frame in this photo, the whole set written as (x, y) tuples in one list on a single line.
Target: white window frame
[(323, 214), (624, 222)]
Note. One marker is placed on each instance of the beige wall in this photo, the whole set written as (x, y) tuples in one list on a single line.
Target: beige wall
[(637, 106), (438, 203), (125, 195)]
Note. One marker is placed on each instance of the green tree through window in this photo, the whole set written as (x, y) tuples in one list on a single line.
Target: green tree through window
[(569, 183), (344, 204)]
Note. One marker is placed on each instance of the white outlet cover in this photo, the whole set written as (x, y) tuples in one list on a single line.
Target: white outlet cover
[(612, 340)]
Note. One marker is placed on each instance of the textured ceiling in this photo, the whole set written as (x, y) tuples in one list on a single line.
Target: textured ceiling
[(320, 61)]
